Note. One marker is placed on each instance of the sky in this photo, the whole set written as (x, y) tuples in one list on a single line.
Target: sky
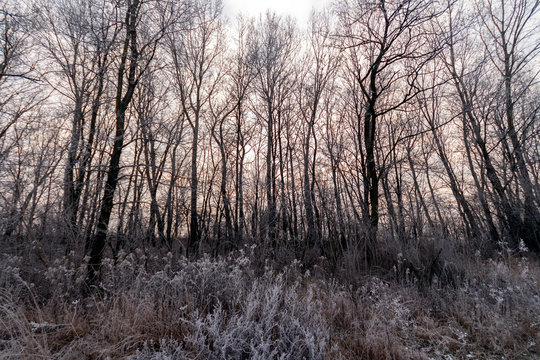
[(299, 9)]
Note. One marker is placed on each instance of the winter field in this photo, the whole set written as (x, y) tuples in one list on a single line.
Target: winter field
[(162, 307), (361, 182)]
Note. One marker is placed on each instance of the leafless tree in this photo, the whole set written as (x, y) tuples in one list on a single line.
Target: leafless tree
[(78, 44), (275, 47), (196, 52), (388, 44), (137, 50), (320, 68)]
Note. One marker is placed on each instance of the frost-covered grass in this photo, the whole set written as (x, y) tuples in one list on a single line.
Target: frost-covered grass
[(167, 308)]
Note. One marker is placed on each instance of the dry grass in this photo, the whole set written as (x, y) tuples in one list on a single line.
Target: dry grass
[(216, 309)]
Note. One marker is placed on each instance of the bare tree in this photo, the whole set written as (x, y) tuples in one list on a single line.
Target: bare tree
[(195, 54), (387, 44), (22, 94), (275, 46), (483, 122), (510, 35), (321, 65), (134, 59), (242, 76), (233, 92), (79, 39)]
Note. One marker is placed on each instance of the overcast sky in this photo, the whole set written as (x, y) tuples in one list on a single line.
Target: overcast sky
[(300, 9)]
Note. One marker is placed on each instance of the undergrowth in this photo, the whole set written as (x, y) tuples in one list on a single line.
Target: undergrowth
[(171, 308)]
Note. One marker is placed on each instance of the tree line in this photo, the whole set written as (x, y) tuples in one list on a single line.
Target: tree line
[(162, 124)]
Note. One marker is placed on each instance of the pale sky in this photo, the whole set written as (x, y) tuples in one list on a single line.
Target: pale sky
[(300, 9)]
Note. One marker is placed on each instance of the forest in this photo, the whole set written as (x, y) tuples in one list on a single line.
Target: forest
[(178, 183)]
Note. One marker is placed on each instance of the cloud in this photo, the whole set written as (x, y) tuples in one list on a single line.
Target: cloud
[(300, 9)]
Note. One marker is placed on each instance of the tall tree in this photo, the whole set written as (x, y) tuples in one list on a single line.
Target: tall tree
[(321, 64), (509, 33), (275, 45), (195, 54), (79, 41), (388, 43), (136, 53), (505, 34)]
